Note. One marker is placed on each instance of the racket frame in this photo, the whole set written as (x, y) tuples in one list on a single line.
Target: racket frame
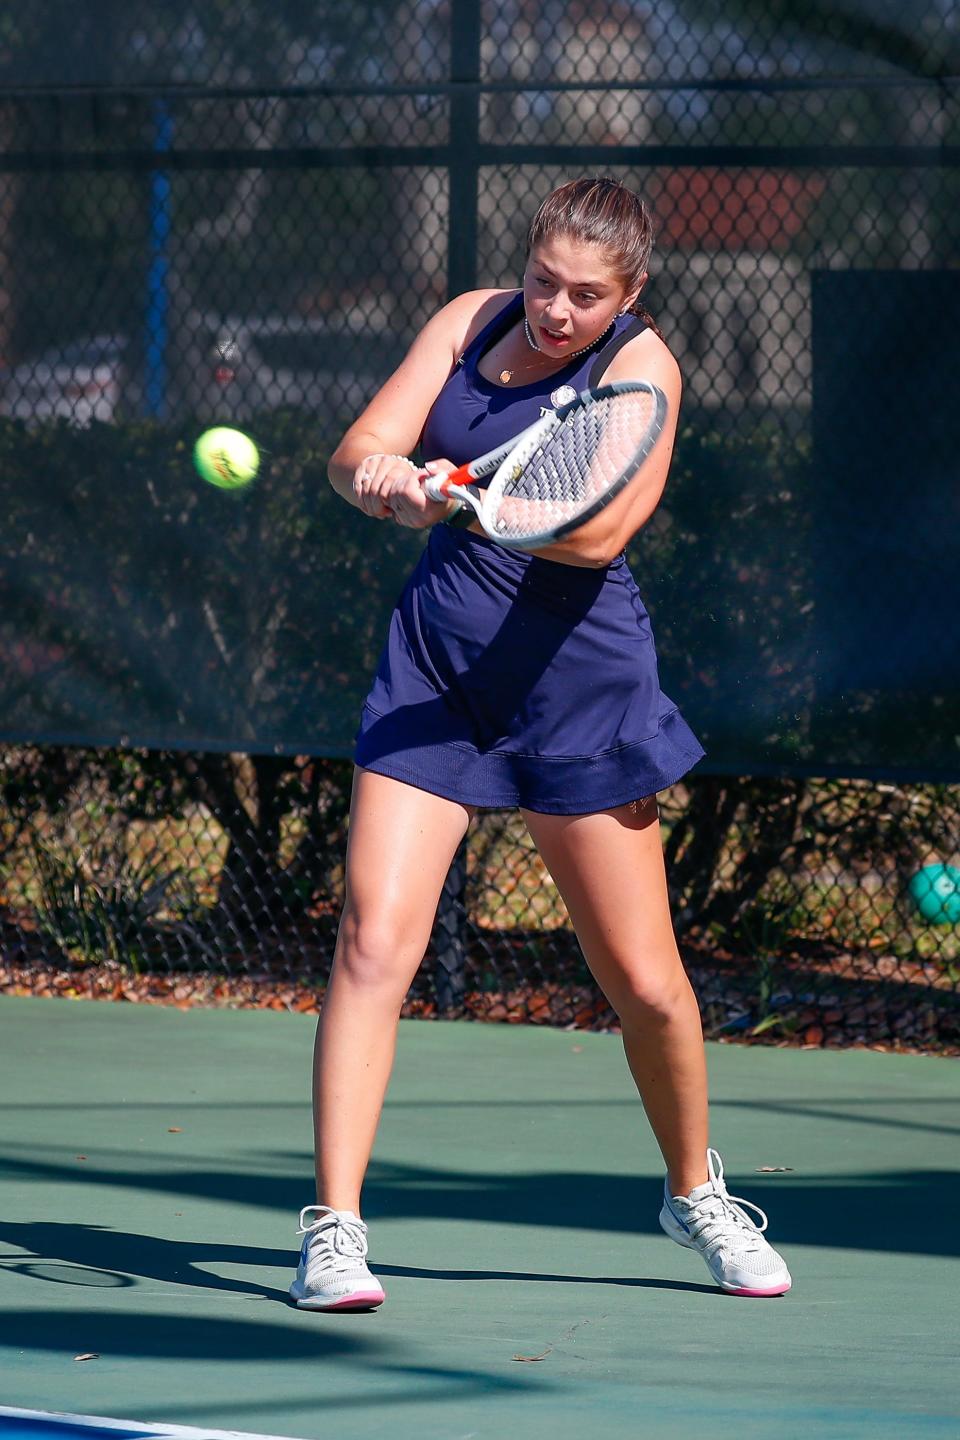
[(508, 460)]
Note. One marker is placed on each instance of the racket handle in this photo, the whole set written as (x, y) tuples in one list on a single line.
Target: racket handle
[(436, 487)]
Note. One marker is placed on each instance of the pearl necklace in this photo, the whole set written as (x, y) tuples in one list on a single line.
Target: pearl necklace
[(507, 375)]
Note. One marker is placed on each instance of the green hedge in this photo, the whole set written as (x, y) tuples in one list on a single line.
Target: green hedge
[(140, 605)]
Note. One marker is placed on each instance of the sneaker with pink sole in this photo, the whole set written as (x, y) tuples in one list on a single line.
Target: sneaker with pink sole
[(715, 1223), (332, 1273)]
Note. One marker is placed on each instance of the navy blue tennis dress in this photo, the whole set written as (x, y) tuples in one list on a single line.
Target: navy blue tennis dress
[(507, 679)]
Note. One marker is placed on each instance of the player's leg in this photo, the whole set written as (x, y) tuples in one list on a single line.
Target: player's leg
[(400, 845), (609, 869)]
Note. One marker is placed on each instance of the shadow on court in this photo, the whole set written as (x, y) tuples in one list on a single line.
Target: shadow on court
[(862, 1211), (155, 1162), (150, 1339), (60, 1253)]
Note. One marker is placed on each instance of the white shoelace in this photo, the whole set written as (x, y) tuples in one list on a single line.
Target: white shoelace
[(720, 1217), (337, 1233)]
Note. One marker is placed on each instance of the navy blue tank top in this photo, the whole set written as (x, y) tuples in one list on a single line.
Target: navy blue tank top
[(472, 415), (508, 678)]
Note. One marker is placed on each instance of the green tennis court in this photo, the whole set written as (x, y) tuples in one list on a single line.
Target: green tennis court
[(155, 1161)]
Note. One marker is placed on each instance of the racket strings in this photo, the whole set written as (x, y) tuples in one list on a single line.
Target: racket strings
[(576, 464)]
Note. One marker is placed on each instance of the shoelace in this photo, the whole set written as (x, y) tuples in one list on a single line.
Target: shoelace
[(713, 1217), (348, 1236)]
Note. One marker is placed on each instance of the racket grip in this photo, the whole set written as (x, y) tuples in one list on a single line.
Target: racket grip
[(435, 486)]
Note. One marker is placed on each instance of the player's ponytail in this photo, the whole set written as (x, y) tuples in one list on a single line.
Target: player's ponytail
[(644, 314), (598, 211)]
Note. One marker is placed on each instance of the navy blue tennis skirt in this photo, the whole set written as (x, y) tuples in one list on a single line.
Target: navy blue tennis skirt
[(509, 680)]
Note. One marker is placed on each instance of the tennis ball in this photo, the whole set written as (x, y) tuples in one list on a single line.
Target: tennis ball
[(935, 890), (226, 457)]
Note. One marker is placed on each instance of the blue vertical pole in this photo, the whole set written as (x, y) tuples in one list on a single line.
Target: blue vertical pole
[(158, 298)]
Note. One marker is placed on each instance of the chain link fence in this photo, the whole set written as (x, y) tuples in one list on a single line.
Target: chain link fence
[(232, 207), (218, 879), (240, 213)]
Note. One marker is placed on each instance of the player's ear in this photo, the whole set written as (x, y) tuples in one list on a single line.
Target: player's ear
[(631, 299)]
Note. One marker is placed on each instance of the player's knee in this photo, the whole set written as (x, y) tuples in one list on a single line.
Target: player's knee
[(376, 951), (651, 995)]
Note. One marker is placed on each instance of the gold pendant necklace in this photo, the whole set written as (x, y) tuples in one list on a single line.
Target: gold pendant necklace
[(506, 376)]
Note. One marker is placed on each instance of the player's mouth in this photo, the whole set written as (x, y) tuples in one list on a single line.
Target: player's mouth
[(554, 339)]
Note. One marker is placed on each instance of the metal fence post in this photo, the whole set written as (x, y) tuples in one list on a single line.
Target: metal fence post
[(465, 32)]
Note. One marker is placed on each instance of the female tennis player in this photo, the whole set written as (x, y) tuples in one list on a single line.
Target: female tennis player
[(527, 680)]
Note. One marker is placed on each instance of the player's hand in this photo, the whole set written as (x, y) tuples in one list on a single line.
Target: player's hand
[(374, 480), (409, 502)]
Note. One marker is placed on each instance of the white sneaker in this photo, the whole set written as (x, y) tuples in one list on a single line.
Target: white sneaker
[(333, 1274), (713, 1222)]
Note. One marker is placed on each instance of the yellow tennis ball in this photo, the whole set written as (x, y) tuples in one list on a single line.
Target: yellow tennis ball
[(226, 457)]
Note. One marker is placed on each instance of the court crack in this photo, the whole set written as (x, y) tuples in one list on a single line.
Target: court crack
[(568, 1334)]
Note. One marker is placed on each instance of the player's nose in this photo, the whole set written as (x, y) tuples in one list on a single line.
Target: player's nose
[(556, 314)]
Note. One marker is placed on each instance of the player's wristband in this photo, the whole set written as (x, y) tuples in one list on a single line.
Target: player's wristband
[(460, 517)]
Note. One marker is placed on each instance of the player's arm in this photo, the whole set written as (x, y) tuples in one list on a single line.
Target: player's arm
[(391, 425), (601, 539)]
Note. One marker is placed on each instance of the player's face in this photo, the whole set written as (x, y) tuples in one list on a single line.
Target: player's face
[(570, 294)]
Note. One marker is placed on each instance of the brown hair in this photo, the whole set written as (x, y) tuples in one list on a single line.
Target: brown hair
[(601, 212)]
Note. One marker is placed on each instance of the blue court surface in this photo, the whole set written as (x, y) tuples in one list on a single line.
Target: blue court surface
[(153, 1163)]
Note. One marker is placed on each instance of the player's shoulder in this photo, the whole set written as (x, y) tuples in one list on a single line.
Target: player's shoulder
[(466, 315), (477, 306), (646, 356), (472, 301)]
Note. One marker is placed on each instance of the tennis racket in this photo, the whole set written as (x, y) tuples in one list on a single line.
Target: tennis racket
[(563, 469)]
